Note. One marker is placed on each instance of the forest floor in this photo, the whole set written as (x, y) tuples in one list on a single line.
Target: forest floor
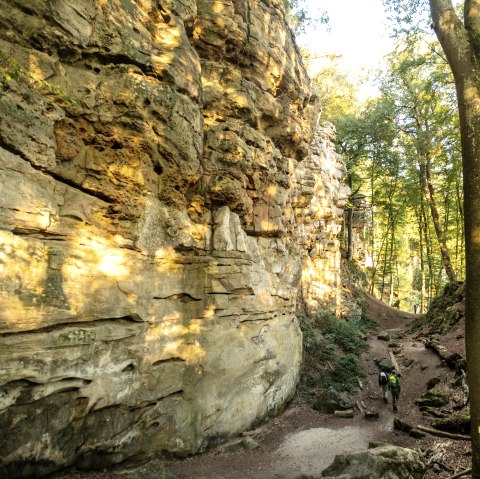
[(301, 442)]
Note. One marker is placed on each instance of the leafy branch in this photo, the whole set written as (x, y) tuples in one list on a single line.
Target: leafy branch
[(11, 70), (299, 17)]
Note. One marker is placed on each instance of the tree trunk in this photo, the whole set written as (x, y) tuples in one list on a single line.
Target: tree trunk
[(460, 230), (429, 194), (372, 244), (349, 232), (428, 250), (384, 272), (460, 44), (392, 249), (422, 264), (350, 220)]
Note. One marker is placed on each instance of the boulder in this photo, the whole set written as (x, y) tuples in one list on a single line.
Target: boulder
[(432, 399), (407, 362), (378, 463), (330, 400), (384, 363)]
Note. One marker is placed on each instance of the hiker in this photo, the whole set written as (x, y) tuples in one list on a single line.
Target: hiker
[(395, 387), (383, 383)]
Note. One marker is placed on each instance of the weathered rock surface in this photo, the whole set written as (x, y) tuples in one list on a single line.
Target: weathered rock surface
[(157, 221), (319, 203)]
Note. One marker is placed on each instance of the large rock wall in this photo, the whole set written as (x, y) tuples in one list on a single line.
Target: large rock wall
[(322, 196), (153, 223)]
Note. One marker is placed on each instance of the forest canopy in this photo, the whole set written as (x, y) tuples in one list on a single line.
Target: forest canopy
[(403, 154)]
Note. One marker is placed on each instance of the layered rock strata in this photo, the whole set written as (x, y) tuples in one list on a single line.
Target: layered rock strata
[(157, 197)]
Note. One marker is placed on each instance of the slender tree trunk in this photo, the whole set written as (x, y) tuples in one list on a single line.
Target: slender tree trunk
[(372, 245), (387, 259), (350, 221), (428, 250), (384, 271), (460, 43), (392, 246), (422, 264), (470, 130), (460, 230), (349, 232), (429, 194)]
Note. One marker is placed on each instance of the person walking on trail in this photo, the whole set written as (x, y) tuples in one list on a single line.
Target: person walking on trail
[(383, 383), (395, 388)]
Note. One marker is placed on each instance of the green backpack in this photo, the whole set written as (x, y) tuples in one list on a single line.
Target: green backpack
[(393, 381)]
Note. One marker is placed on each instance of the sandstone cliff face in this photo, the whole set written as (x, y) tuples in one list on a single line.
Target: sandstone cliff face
[(320, 202), (154, 221)]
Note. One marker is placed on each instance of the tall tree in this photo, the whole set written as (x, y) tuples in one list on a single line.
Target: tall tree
[(460, 41), (419, 83)]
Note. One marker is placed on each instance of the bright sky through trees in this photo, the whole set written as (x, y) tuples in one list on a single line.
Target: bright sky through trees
[(357, 31)]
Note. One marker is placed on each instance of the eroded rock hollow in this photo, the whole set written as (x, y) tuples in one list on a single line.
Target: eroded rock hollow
[(163, 211)]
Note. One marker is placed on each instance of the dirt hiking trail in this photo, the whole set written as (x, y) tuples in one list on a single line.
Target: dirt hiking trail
[(302, 441)]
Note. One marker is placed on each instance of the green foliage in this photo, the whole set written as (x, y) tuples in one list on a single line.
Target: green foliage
[(317, 345), (335, 88), (366, 324), (331, 350), (347, 371), (407, 16), (298, 16), (386, 144), (346, 334), (11, 70)]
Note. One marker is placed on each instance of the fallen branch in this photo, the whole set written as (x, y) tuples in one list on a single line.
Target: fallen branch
[(330, 366), (460, 474), (346, 413), (360, 408), (434, 432), (360, 384), (394, 362)]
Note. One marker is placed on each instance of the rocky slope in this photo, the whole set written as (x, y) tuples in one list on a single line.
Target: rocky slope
[(161, 210)]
